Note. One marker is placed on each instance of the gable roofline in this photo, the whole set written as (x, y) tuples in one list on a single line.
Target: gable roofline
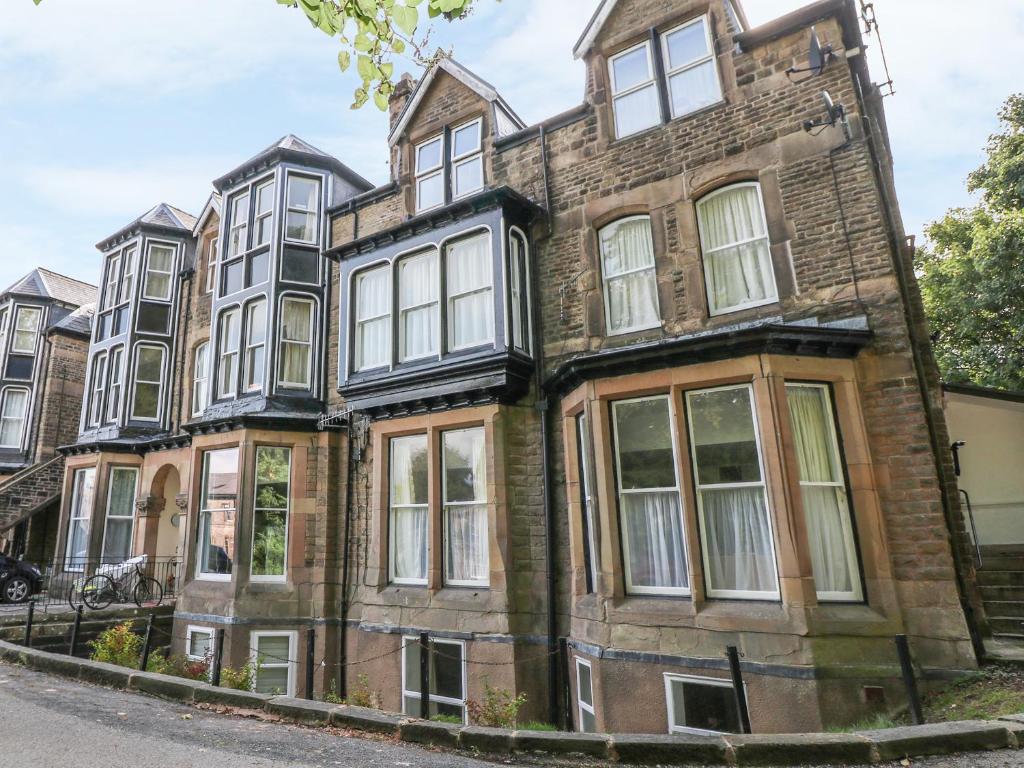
[(161, 216), (212, 206), (290, 148), (42, 283), (604, 10), (478, 85)]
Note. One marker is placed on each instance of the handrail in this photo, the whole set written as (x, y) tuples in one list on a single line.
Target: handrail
[(974, 529), (28, 472)]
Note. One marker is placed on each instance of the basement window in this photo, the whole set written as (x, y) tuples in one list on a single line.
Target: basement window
[(273, 655), (198, 643), (447, 660), (700, 705), (585, 697)]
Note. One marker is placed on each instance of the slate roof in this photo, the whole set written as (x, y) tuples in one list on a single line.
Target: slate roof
[(160, 215), (78, 322), (291, 147), (46, 284)]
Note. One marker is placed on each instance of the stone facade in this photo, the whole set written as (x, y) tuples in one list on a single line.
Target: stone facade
[(512, 538)]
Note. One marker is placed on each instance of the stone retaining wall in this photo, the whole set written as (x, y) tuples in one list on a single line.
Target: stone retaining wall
[(727, 749)]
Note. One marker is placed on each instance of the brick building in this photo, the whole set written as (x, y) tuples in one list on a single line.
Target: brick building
[(650, 376)]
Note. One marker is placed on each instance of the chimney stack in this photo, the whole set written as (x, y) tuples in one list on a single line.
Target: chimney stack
[(399, 97)]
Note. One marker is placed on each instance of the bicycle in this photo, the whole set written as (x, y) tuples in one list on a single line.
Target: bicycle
[(102, 589)]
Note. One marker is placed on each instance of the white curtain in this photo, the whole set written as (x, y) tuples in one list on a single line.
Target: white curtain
[(739, 540), (372, 307), (409, 511), (627, 253), (12, 423), (417, 296), (117, 538), (409, 529), (467, 542), (829, 529), (468, 271), (738, 264), (296, 338), (465, 471), (654, 535)]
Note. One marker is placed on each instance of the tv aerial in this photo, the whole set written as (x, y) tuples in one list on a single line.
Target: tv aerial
[(818, 59), (834, 114)]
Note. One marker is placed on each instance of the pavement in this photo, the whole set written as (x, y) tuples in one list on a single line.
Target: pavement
[(51, 722)]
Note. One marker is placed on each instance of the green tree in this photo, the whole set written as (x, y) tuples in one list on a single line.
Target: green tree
[(372, 32), (971, 272)]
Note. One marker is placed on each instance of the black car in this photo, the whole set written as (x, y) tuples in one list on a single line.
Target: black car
[(18, 580)]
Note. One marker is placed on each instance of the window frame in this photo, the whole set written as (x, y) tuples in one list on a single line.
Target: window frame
[(235, 353), (670, 700), (705, 252), (151, 245), (421, 175), (633, 589), (200, 574), (4, 396), (283, 576), (407, 641), (190, 631), (392, 542), (73, 518), (447, 344), (358, 322), (587, 501), (485, 582), (615, 94), (200, 384), (128, 265), (466, 158), (291, 663), (314, 307), (246, 345), (111, 286), (711, 591), (258, 218), (15, 330), (97, 388), (670, 73), (161, 389), (290, 208), (517, 241), (607, 279), (115, 372), (233, 224), (435, 252), (107, 516), (212, 259), (581, 706)]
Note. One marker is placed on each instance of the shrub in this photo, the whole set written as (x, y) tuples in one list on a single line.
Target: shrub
[(179, 666), (498, 710), (117, 645), (241, 679), (362, 695)]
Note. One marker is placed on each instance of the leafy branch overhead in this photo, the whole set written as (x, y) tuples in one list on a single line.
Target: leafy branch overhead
[(373, 32)]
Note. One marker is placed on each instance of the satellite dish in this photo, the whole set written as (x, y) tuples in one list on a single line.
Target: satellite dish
[(818, 58), (830, 107)]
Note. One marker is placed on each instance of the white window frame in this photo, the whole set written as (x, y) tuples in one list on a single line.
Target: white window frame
[(160, 384), (4, 396), (228, 349), (150, 270), (113, 282), (763, 484), (620, 492), (247, 345), (239, 202), (292, 208), (28, 309), (291, 663), (76, 504), (202, 575), (670, 700), (607, 279), (192, 630), (392, 542), (710, 252), (670, 73), (309, 344), (434, 252), (287, 517), (519, 292), (200, 384), (425, 174), (97, 389), (259, 218), (582, 706), (212, 258), (124, 291), (107, 517), (588, 498), (5, 316), (617, 94), (408, 641), (445, 504), (115, 370), (850, 531), (476, 155), (450, 296), (359, 321)]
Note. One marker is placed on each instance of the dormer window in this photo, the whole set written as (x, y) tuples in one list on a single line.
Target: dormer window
[(467, 160), (430, 174), (239, 224), (264, 217), (680, 73), (159, 269), (303, 209)]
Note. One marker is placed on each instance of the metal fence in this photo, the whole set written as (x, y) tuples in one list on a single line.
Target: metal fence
[(94, 584)]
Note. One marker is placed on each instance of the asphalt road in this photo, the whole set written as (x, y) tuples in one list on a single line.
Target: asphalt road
[(49, 722)]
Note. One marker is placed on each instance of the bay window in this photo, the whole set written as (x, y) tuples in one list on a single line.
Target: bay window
[(80, 516), (409, 510), (99, 386), (110, 289), (228, 341), (688, 53), (372, 316), (26, 328), (732, 501), (629, 276), (429, 174), (470, 294), (270, 513), (296, 343), (116, 383), (467, 159), (149, 374), (13, 414), (418, 291), (200, 377), (303, 209), (736, 250), (120, 523), (650, 508), (159, 272), (127, 277), (218, 504), (238, 234), (634, 90), (4, 317), (255, 344), (446, 662), (263, 217), (823, 491), (464, 496)]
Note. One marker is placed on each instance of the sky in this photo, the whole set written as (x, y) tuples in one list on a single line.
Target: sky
[(108, 107)]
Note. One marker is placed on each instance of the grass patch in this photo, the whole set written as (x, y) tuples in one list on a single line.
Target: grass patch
[(873, 723), (995, 691), (451, 719), (536, 725)]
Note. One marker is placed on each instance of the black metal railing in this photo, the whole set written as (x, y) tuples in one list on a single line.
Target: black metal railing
[(103, 582)]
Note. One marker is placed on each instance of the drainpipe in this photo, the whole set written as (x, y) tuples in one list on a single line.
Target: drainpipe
[(185, 351), (346, 546)]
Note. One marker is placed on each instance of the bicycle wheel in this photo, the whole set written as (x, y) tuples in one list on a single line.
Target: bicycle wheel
[(148, 592), (99, 591)]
